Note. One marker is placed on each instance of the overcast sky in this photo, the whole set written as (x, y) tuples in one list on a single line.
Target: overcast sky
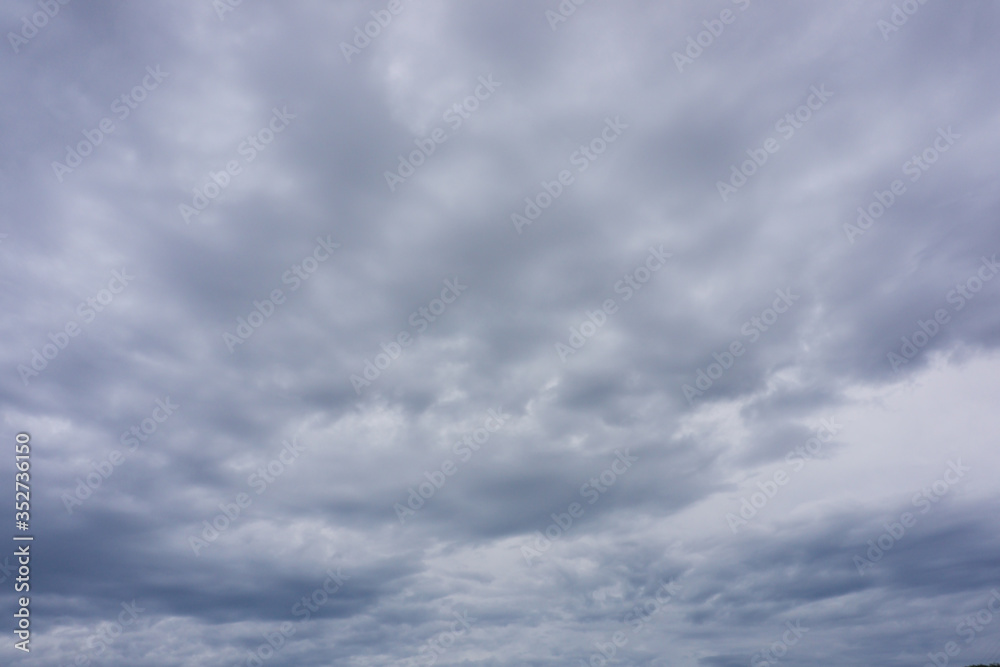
[(503, 333)]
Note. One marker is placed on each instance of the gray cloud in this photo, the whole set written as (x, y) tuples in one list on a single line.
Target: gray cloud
[(87, 358)]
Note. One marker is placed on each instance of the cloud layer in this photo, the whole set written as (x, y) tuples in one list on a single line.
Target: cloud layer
[(514, 333)]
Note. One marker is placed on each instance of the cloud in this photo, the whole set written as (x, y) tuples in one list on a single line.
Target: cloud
[(609, 158)]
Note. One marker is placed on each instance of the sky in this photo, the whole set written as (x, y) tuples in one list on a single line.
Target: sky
[(547, 333)]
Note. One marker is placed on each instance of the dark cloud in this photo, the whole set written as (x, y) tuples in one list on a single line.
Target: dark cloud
[(220, 530)]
